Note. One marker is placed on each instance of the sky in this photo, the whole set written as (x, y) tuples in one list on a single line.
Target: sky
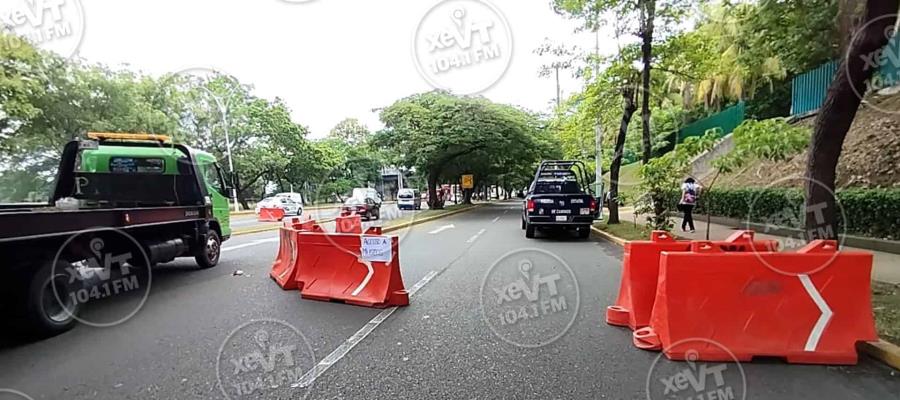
[(334, 59)]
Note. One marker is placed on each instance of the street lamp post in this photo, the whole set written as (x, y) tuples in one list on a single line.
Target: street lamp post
[(224, 110)]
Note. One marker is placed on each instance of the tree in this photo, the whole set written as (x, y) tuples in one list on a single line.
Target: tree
[(351, 131), (838, 112), (444, 136), (628, 110)]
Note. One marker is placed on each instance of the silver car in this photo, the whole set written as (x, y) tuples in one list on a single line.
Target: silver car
[(289, 206)]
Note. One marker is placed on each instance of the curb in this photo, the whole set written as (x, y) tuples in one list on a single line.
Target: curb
[(881, 350)]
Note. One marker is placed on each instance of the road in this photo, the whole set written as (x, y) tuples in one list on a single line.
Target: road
[(457, 339)]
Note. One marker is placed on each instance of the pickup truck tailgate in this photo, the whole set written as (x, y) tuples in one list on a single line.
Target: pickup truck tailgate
[(561, 208)]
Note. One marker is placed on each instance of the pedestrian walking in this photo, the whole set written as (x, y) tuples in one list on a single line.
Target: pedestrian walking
[(690, 192)]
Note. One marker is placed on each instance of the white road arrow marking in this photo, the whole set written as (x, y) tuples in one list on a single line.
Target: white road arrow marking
[(816, 334), (441, 229)]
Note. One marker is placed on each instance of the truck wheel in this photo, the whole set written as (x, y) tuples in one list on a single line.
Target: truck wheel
[(207, 256), (529, 230), (378, 213), (49, 307), (584, 232), (523, 223)]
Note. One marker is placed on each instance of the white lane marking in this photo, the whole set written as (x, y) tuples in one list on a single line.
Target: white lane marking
[(310, 376), (495, 220), (813, 341), (253, 243), (441, 229), (474, 238), (365, 280)]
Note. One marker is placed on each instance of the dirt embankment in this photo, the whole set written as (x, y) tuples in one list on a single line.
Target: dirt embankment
[(870, 158)]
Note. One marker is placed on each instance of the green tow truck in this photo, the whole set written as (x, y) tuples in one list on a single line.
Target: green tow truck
[(121, 203)]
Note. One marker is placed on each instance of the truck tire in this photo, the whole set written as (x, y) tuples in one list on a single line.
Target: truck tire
[(529, 230), (207, 255), (47, 313), (584, 232), (523, 223)]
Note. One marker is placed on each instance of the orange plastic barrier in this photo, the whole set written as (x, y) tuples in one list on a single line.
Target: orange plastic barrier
[(348, 224), (328, 271), (270, 215), (640, 269), (812, 306), (284, 268)]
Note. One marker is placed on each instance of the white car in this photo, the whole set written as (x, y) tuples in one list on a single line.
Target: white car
[(289, 206)]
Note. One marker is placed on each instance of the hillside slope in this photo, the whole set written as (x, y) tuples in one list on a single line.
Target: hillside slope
[(870, 158)]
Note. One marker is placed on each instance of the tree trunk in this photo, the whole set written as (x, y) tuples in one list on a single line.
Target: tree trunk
[(433, 202), (837, 114), (628, 111), (648, 13)]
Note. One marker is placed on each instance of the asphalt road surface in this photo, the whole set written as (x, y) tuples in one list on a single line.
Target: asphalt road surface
[(474, 329)]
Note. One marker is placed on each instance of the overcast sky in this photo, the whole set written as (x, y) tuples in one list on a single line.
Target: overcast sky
[(331, 59)]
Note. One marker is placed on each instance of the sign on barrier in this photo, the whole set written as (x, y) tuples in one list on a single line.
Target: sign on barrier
[(376, 248)]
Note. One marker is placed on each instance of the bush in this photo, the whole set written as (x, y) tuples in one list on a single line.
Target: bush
[(869, 212)]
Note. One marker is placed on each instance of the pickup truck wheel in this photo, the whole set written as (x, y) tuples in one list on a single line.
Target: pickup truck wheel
[(523, 223), (50, 308), (529, 230), (207, 256), (584, 232)]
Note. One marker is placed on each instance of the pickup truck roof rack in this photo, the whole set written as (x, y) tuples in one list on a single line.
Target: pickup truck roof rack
[(556, 170)]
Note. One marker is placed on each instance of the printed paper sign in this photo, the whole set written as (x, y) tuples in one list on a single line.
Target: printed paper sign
[(376, 248)]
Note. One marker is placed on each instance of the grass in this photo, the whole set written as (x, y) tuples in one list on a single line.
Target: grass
[(628, 180), (626, 230), (886, 304)]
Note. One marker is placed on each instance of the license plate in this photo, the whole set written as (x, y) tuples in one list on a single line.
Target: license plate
[(562, 218)]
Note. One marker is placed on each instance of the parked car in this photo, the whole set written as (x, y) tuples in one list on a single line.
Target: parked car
[(289, 206), (367, 208), (409, 199)]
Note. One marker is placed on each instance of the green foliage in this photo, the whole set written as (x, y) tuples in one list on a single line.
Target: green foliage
[(771, 139), (444, 136), (864, 212)]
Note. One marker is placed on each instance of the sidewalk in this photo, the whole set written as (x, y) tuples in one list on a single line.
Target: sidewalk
[(885, 266)]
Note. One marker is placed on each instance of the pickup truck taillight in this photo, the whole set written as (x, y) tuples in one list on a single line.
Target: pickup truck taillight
[(530, 205), (593, 204)]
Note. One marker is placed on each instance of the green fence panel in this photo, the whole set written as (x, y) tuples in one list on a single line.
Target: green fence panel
[(726, 120), (809, 89)]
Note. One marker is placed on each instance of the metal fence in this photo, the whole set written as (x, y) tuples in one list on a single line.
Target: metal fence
[(809, 89), (726, 121)]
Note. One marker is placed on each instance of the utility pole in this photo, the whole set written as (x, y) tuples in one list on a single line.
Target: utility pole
[(224, 111), (558, 90), (598, 128)]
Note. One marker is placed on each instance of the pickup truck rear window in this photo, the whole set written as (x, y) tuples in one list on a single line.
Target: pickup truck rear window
[(565, 187)]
